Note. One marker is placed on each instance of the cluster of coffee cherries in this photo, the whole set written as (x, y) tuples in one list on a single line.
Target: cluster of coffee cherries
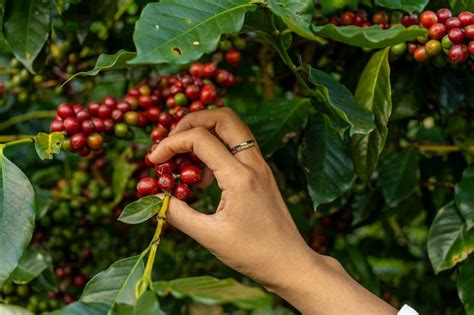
[(360, 18), (453, 35), (156, 106)]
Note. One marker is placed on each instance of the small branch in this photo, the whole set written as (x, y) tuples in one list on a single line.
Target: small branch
[(443, 148), (22, 139), (9, 140), (27, 116)]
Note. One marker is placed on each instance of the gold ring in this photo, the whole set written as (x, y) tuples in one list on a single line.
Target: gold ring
[(244, 145)]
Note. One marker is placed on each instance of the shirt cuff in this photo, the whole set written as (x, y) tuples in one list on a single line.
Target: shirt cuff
[(407, 310)]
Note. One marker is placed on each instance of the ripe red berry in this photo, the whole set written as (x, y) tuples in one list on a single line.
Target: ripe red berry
[(176, 88), (420, 54), (456, 35), (357, 21), (183, 160), (466, 18), (87, 127), (95, 141), (166, 167), (469, 32), (187, 80), (65, 110), (443, 15), (233, 56), (108, 125), (79, 281), (196, 106), (428, 18), (56, 126), (93, 108), (158, 133), (452, 23), (145, 101), (181, 191), (77, 141), (153, 113), (104, 111), (196, 69), (470, 48), (134, 92), (166, 181), (71, 125), (190, 174), (437, 31), (165, 119), (68, 299), (347, 17), (83, 115), (209, 70), (147, 186), (123, 106), (458, 54), (180, 113), (77, 108), (407, 21), (98, 124), (380, 18), (170, 102), (110, 102), (192, 92), (208, 94), (142, 120)]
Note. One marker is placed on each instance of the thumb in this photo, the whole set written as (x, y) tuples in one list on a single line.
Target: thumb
[(195, 224)]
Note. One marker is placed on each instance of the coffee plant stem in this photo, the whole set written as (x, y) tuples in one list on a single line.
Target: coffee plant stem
[(145, 281), (20, 141), (27, 116), (443, 148), (10, 138)]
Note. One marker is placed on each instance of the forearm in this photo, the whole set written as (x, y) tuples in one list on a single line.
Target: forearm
[(322, 286)]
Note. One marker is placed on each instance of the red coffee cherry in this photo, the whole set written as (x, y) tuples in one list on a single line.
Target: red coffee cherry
[(469, 32), (123, 106), (443, 15), (347, 17), (108, 125), (166, 167), (147, 186), (181, 191), (117, 115), (165, 119), (68, 298), (420, 54), (196, 106), (71, 125), (208, 94), (145, 101), (158, 133), (98, 124), (380, 18), (65, 110), (56, 126), (209, 70), (190, 174), (458, 54), (233, 56), (180, 113), (110, 102), (470, 48), (104, 111), (79, 281), (437, 31), (77, 141), (456, 35), (87, 127), (192, 91), (196, 69), (428, 18), (166, 182), (134, 92), (153, 113), (451, 23), (93, 108), (466, 18), (95, 141)]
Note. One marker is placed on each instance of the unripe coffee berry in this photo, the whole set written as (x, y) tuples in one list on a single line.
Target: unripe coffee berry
[(121, 130), (132, 118)]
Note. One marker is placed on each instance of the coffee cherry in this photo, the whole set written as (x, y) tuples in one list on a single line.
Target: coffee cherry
[(209, 70), (458, 54), (123, 106), (239, 43), (456, 35), (466, 18), (147, 186), (420, 54), (71, 125), (470, 48), (95, 141), (77, 141), (108, 125), (68, 299), (145, 101), (433, 47), (208, 94), (144, 89), (443, 14), (196, 69), (158, 133), (166, 182), (452, 23), (347, 17), (357, 21), (446, 42), (166, 167), (380, 18), (82, 115), (79, 281), (132, 118), (110, 102), (196, 106), (65, 110), (192, 92), (437, 31), (93, 108), (166, 119), (121, 130), (233, 57), (142, 120), (153, 113), (469, 32), (104, 111), (87, 127), (181, 191), (98, 124), (56, 126), (180, 99), (170, 102), (408, 21), (428, 18), (117, 115), (190, 174), (399, 49)]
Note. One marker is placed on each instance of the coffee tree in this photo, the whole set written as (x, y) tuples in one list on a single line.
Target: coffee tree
[(362, 108)]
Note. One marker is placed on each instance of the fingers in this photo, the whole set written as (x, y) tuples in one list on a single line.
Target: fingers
[(227, 125), (207, 148), (207, 178)]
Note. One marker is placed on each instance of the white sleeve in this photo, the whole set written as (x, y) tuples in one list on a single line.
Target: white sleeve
[(407, 310)]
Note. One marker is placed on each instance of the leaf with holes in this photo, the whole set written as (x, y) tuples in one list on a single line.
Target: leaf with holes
[(141, 210), (212, 291), (27, 28), (147, 304), (48, 144), (107, 62), (466, 284), (409, 6), (325, 160), (32, 264), (17, 215), (181, 31), (125, 274), (297, 15), (340, 104), (398, 175), (449, 242), (276, 122), (370, 37), (464, 196), (80, 308), (373, 94)]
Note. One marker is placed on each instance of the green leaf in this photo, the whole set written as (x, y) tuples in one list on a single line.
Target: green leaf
[(398, 175), (409, 6), (181, 31), (48, 144), (373, 93), (466, 284), (140, 136), (32, 264), (276, 122), (464, 196), (369, 37), (147, 304), (212, 291), (123, 170), (27, 29), (6, 309), (107, 62), (297, 15), (448, 242), (17, 215), (340, 103), (331, 6), (325, 160), (80, 308), (141, 210), (458, 6), (116, 284), (2, 15)]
